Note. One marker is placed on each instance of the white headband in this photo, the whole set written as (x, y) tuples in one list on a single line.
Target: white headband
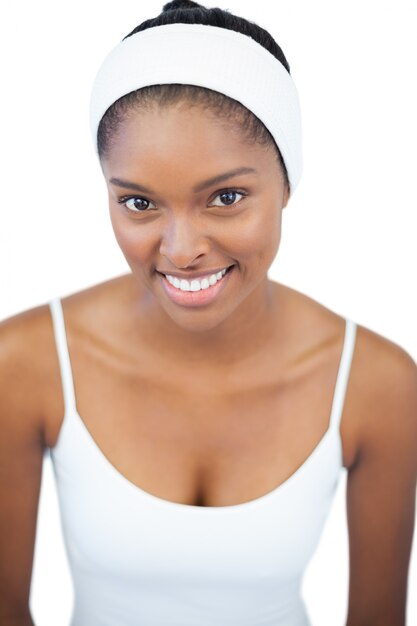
[(213, 57)]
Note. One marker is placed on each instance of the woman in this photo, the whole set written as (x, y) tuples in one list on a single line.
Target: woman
[(194, 407)]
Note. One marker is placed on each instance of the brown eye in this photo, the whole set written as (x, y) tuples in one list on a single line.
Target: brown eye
[(136, 204), (228, 197)]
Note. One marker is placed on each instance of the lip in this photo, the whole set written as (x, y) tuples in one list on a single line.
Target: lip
[(196, 298), (190, 277)]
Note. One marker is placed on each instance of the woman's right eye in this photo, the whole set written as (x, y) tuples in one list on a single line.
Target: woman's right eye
[(135, 204)]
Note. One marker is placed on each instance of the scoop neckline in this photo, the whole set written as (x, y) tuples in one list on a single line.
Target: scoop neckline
[(180, 506)]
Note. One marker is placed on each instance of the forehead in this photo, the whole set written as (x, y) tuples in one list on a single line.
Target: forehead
[(181, 132)]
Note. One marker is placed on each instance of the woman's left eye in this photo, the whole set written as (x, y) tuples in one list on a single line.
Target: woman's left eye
[(228, 197)]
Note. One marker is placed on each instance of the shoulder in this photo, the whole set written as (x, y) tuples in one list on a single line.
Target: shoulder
[(25, 358), (388, 375), (381, 395), (20, 334), (30, 377), (382, 384)]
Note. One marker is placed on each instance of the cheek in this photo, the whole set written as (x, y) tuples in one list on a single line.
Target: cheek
[(257, 235), (135, 240)]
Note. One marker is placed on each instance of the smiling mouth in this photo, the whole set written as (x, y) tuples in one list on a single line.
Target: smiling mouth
[(201, 282), (196, 294)]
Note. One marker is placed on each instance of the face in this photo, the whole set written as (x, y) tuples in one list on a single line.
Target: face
[(189, 197)]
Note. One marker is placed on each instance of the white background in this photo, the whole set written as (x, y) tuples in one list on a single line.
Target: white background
[(348, 233)]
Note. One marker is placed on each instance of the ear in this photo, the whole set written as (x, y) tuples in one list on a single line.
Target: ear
[(286, 196)]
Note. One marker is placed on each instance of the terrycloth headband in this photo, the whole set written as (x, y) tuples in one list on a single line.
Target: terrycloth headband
[(213, 57)]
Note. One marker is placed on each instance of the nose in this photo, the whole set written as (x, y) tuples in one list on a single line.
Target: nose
[(183, 241)]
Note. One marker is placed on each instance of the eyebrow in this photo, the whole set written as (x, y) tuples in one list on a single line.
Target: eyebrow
[(200, 187)]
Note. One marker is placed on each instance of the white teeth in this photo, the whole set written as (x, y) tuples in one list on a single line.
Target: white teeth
[(195, 284)]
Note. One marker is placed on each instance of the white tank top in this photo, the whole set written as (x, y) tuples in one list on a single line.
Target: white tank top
[(139, 560)]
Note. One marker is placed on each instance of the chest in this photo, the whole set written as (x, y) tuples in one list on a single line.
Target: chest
[(204, 439)]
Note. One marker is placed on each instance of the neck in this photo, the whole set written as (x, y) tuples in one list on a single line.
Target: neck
[(242, 334)]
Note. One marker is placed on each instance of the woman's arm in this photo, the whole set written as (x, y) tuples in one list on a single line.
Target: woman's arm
[(381, 490), (21, 459)]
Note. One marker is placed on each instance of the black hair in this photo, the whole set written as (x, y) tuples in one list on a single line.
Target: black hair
[(188, 12)]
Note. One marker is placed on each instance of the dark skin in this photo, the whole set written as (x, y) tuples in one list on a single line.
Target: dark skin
[(188, 402)]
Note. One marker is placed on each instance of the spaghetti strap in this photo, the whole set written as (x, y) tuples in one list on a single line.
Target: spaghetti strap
[(343, 374), (63, 354)]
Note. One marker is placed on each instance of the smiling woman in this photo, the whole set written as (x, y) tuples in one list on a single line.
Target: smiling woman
[(192, 407)]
